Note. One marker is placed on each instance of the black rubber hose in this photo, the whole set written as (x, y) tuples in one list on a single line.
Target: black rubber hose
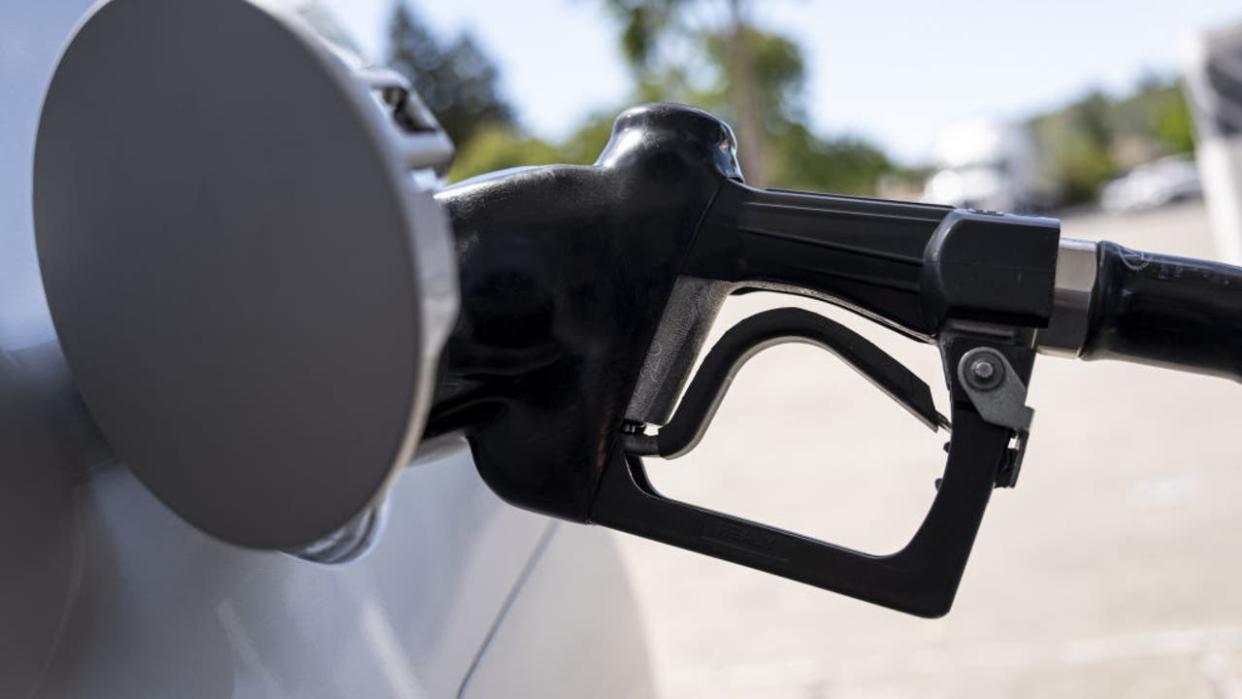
[(1166, 311)]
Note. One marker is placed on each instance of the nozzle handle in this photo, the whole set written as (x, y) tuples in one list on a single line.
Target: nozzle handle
[(911, 266)]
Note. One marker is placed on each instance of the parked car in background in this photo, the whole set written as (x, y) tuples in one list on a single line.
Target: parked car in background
[(1153, 184)]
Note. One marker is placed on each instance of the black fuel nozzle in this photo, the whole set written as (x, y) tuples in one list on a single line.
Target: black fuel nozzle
[(587, 292), (564, 274)]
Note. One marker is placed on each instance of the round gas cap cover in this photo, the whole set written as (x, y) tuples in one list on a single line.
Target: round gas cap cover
[(228, 244)]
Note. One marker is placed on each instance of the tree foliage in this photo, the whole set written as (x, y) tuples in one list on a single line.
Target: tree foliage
[(680, 50), (498, 148), (1080, 138), (710, 53), (584, 145), (780, 78), (665, 42), (803, 160), (1095, 137), (457, 81), (687, 51)]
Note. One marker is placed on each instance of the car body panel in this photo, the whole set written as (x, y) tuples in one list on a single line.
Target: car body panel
[(104, 592), (163, 610), (544, 645)]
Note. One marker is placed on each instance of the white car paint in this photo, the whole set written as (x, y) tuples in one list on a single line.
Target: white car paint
[(105, 593)]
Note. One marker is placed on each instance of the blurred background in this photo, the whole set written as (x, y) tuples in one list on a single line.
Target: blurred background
[(1114, 568), (1031, 107)]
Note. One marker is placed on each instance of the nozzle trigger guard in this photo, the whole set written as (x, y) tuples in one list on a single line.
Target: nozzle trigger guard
[(765, 330), (921, 578)]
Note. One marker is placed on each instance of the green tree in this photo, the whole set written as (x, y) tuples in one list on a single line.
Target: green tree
[(779, 74), (497, 148), (1080, 139), (710, 54), (802, 160), (1094, 137), (457, 81), (1160, 108), (1170, 118), (663, 39), (584, 145)]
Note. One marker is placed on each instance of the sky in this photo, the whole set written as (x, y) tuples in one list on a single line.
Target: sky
[(897, 72)]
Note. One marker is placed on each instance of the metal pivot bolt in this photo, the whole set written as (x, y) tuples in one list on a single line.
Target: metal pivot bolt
[(985, 372), (994, 388), (997, 392)]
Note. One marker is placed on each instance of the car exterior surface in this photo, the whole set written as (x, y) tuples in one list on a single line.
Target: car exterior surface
[(104, 592)]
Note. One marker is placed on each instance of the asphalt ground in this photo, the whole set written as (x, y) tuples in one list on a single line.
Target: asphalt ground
[(1112, 570)]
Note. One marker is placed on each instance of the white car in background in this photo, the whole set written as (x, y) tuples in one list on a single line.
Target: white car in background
[(1153, 184), (991, 165)]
